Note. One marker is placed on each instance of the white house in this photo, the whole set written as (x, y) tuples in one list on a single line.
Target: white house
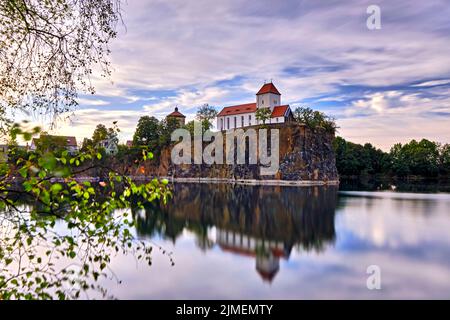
[(244, 115), (110, 145)]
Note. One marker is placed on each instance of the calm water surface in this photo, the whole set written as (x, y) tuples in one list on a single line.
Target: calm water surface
[(292, 243)]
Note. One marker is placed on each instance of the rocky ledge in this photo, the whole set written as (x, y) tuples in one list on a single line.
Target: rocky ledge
[(306, 157)]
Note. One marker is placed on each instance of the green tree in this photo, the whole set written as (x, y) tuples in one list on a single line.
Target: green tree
[(416, 158), (100, 133), (147, 133), (263, 114), (206, 114), (315, 119), (444, 159), (357, 160), (400, 164), (49, 49), (103, 133), (166, 127)]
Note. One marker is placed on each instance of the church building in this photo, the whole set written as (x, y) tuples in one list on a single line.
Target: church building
[(244, 115)]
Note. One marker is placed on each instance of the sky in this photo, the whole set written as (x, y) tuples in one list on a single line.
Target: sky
[(383, 86)]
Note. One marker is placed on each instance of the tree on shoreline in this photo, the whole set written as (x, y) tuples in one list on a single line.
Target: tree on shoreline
[(415, 158)]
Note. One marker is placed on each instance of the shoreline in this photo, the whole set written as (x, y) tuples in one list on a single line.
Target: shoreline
[(254, 182), (251, 182)]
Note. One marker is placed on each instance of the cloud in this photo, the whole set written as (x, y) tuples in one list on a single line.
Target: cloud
[(92, 102), (187, 100), (433, 83), (83, 123), (317, 53)]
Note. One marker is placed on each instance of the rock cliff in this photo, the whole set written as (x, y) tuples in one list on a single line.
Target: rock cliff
[(304, 155)]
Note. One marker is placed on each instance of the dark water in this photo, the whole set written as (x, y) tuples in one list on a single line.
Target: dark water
[(293, 243)]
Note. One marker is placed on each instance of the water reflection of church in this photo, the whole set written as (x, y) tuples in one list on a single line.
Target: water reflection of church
[(263, 223), (267, 253)]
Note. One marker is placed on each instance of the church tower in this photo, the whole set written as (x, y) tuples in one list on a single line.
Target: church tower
[(268, 96)]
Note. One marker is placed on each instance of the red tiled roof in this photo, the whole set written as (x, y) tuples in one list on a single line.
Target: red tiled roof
[(267, 276), (242, 108), (279, 111), (176, 114), (268, 88), (249, 252), (241, 251)]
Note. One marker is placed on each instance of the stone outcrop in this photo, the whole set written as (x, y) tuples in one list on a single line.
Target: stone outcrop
[(304, 155)]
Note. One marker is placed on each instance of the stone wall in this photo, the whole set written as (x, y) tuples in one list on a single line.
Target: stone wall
[(304, 156)]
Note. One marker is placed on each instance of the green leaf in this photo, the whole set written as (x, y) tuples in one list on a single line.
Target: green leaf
[(23, 172), (42, 174), (56, 188)]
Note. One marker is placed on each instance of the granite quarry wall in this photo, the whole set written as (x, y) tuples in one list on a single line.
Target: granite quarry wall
[(305, 157)]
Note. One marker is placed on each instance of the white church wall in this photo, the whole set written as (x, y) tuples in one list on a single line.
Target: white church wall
[(268, 100), (242, 120)]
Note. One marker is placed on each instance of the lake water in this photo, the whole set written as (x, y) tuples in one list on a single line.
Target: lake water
[(248, 242)]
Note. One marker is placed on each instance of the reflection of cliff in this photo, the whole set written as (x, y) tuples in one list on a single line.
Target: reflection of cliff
[(260, 221)]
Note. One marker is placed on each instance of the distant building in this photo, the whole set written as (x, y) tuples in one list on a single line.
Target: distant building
[(129, 143), (110, 145), (181, 118), (244, 115), (51, 142)]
